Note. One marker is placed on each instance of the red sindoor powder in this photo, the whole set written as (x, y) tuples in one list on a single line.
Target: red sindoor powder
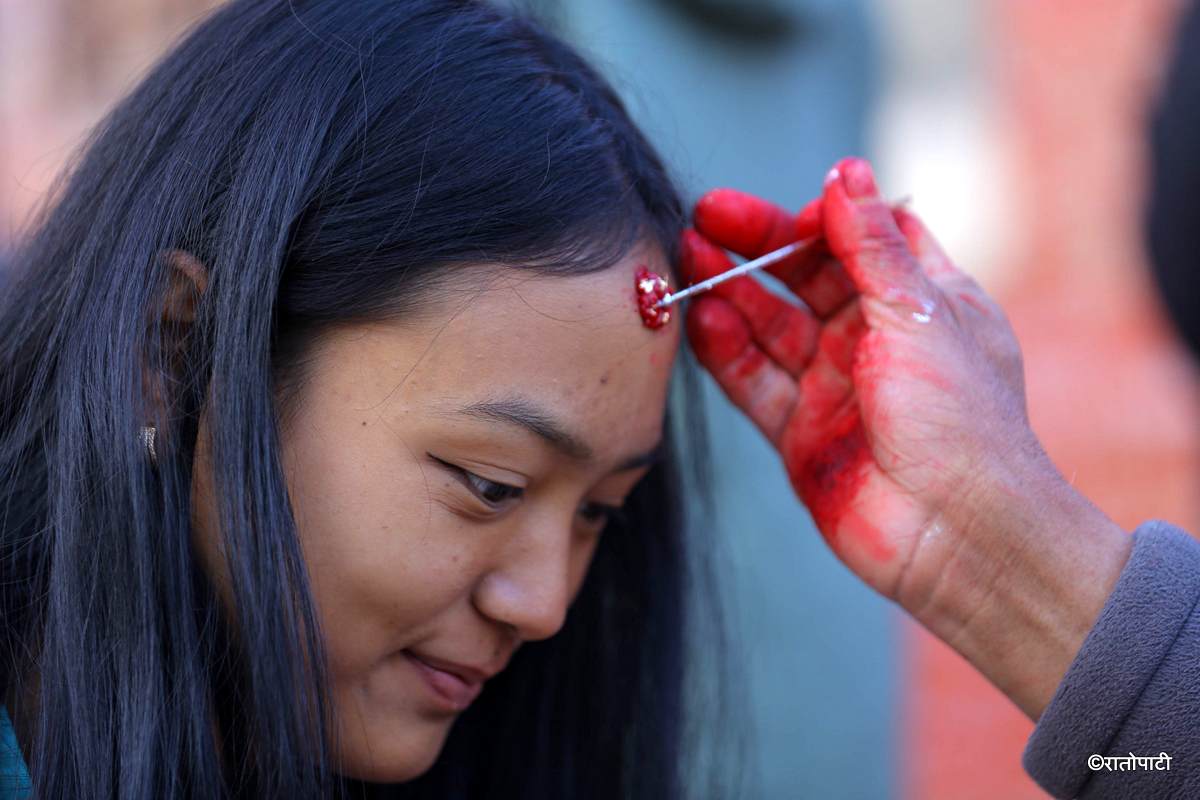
[(650, 288)]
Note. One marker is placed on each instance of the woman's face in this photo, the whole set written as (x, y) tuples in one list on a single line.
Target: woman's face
[(450, 476)]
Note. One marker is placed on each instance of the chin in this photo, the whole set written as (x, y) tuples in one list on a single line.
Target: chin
[(392, 772), (393, 758)]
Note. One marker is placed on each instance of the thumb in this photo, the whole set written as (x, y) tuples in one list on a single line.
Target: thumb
[(861, 232)]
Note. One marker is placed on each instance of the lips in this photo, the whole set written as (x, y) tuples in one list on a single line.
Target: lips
[(455, 684)]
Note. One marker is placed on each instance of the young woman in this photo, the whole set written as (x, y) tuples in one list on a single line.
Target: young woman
[(323, 398), (334, 456)]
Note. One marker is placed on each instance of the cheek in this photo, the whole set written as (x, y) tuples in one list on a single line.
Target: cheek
[(384, 561)]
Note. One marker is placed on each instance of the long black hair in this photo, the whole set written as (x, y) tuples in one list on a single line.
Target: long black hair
[(326, 161)]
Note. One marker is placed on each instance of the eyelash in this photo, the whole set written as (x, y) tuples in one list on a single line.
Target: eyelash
[(480, 486), (611, 515)]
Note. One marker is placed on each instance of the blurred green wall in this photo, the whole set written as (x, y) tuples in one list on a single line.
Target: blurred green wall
[(765, 97)]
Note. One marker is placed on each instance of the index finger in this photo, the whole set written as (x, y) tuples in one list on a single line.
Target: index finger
[(861, 230), (751, 226)]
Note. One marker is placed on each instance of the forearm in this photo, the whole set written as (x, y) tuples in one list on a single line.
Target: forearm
[(1132, 690), (1021, 583)]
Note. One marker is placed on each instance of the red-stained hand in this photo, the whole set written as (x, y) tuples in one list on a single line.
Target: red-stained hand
[(894, 395)]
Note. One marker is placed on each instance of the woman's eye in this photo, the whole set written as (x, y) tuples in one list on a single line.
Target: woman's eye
[(491, 491), (600, 515)]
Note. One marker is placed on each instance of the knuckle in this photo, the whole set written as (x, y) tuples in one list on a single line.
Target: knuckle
[(887, 247)]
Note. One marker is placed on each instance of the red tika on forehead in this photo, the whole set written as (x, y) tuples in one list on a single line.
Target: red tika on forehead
[(650, 288)]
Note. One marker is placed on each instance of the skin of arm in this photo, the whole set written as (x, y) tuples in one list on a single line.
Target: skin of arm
[(895, 396)]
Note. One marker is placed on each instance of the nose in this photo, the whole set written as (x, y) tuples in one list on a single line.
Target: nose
[(531, 584)]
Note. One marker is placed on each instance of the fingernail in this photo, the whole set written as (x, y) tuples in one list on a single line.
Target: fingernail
[(858, 179), (833, 176)]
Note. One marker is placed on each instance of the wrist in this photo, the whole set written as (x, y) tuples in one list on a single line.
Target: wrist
[(1021, 582)]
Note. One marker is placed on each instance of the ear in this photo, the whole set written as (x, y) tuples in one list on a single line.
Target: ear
[(187, 279)]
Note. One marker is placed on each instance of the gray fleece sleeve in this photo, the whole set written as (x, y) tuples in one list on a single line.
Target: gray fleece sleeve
[(1134, 686)]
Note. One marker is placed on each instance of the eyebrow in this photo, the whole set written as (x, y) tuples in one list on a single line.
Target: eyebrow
[(516, 411)]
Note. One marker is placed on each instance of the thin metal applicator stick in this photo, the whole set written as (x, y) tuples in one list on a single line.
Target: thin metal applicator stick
[(742, 269)]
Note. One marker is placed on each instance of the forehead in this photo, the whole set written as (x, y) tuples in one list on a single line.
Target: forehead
[(573, 344)]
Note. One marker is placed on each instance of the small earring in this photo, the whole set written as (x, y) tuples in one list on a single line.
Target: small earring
[(147, 437)]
